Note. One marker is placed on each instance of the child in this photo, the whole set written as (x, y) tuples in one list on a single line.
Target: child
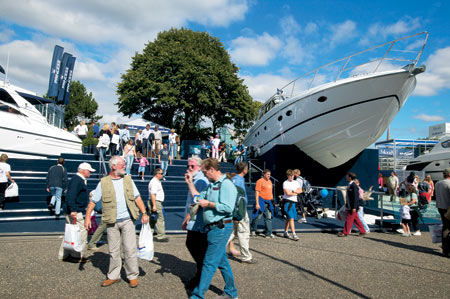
[(142, 163), (406, 217), (361, 209)]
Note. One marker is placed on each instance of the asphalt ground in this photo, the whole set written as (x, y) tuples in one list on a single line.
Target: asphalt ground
[(320, 265)]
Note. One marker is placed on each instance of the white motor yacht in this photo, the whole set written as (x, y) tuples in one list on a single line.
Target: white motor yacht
[(433, 162), (334, 121), (25, 133)]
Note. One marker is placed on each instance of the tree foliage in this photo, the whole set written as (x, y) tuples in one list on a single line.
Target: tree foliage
[(82, 105), (183, 78)]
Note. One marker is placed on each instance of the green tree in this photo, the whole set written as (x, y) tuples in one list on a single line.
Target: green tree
[(82, 105), (183, 78)]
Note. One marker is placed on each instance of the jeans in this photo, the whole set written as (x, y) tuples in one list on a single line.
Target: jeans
[(3, 187), (216, 257), (129, 162), (164, 165), (56, 198), (173, 150), (361, 218), (267, 220)]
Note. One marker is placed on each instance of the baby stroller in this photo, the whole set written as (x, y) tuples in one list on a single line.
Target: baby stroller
[(312, 201)]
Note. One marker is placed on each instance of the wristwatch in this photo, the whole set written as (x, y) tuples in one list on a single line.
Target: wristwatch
[(145, 213)]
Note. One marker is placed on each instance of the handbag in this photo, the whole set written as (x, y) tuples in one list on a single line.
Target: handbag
[(115, 139), (146, 249), (342, 213), (94, 225), (72, 238)]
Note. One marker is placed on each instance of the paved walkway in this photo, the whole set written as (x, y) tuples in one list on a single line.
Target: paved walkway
[(320, 265)]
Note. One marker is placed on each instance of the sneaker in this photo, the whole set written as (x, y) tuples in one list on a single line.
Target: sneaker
[(400, 231), (225, 296), (304, 220), (295, 237), (417, 233), (252, 234), (162, 240), (286, 235), (406, 235), (271, 236)]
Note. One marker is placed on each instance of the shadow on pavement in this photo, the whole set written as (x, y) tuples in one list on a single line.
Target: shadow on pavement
[(416, 248), (184, 270), (360, 295)]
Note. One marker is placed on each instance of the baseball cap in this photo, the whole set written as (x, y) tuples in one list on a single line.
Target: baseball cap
[(447, 171), (86, 166)]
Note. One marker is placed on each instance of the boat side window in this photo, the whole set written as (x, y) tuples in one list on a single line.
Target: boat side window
[(9, 109), (5, 97), (446, 144)]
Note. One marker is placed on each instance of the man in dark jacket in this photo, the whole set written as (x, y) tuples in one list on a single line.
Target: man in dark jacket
[(352, 206), (77, 199), (56, 183)]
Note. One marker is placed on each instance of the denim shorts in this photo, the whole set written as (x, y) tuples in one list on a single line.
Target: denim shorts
[(291, 210), (141, 169)]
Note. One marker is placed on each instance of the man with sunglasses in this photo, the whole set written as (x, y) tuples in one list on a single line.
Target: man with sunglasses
[(218, 202), (196, 241), (156, 192)]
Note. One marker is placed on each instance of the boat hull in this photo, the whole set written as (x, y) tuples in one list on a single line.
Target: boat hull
[(334, 122), (22, 137)]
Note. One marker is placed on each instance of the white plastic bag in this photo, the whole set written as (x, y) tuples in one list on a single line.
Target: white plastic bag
[(72, 238), (12, 190), (436, 233), (146, 249)]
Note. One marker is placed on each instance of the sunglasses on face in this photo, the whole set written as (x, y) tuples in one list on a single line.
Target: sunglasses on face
[(191, 166)]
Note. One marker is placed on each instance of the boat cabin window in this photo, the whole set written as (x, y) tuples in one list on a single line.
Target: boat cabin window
[(6, 97), (446, 144), (9, 109)]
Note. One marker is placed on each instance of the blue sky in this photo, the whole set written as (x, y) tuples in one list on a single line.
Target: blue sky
[(271, 42)]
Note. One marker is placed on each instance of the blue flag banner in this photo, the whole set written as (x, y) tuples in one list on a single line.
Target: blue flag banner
[(54, 71), (63, 73), (70, 65)]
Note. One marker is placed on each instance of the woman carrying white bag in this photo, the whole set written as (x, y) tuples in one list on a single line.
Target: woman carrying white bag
[(146, 249)]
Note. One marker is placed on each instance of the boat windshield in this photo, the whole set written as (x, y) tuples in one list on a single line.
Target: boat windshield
[(5, 97)]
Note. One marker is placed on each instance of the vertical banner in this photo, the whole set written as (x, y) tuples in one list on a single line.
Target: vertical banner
[(70, 65), (63, 73), (54, 71)]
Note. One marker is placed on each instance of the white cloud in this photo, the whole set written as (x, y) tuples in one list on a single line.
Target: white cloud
[(289, 26), (5, 34), (342, 32), (437, 75), (294, 51), (381, 32), (263, 86), (311, 28), (119, 21), (257, 50), (429, 118)]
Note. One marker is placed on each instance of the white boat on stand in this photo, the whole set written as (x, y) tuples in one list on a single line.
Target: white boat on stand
[(333, 122), (25, 132)]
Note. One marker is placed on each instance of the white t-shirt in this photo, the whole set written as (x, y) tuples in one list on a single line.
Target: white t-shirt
[(157, 135), (146, 133), (4, 168), (216, 142), (81, 130), (173, 138), (405, 212), (291, 186), (155, 187)]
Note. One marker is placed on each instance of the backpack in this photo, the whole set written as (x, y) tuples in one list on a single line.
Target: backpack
[(240, 207)]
